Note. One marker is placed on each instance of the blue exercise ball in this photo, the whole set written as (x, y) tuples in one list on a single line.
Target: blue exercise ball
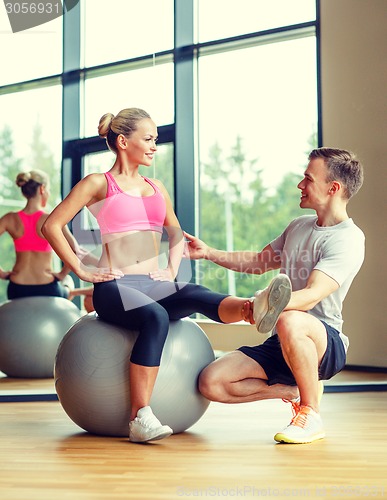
[(92, 376), (31, 330)]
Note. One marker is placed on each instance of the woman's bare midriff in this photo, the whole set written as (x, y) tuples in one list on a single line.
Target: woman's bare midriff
[(133, 252)]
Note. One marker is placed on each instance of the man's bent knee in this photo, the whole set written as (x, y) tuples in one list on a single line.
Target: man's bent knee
[(210, 383), (288, 320)]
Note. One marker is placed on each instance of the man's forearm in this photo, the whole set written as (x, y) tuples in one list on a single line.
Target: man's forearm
[(242, 262), (319, 286)]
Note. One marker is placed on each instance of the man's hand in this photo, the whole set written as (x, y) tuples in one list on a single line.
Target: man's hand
[(195, 248), (247, 312)]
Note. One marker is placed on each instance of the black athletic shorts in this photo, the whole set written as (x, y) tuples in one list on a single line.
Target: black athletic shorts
[(269, 356)]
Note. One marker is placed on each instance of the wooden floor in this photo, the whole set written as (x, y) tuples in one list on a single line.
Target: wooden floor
[(230, 452), (347, 380)]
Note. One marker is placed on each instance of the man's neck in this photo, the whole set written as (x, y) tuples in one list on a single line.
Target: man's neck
[(331, 217)]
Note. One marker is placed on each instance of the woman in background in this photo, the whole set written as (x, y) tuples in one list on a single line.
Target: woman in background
[(32, 273)]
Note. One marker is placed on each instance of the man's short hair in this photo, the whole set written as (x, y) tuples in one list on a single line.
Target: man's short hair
[(343, 166)]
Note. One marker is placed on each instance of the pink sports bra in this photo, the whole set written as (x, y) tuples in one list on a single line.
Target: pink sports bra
[(123, 212), (31, 241)]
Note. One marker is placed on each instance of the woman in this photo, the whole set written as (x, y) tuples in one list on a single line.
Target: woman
[(130, 289), (32, 273)]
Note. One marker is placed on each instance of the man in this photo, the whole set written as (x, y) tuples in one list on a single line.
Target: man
[(320, 255)]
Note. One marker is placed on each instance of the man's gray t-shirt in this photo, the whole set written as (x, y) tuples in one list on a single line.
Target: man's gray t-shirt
[(337, 251)]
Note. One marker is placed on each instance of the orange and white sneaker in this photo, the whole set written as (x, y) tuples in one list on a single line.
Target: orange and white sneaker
[(306, 426), (296, 401)]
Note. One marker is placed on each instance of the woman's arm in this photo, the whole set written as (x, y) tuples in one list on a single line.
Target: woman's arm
[(175, 239), (83, 255), (4, 227), (83, 194), (176, 249)]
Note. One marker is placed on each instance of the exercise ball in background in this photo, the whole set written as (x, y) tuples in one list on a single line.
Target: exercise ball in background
[(92, 376), (31, 330)]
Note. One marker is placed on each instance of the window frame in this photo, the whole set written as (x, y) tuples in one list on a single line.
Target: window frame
[(182, 133)]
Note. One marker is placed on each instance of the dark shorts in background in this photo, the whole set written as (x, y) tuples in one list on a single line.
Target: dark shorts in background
[(269, 356)]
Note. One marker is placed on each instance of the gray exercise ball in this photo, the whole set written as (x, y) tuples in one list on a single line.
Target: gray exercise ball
[(92, 376), (31, 330)]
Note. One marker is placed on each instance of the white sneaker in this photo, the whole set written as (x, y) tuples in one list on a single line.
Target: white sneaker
[(146, 427), (305, 427), (270, 302)]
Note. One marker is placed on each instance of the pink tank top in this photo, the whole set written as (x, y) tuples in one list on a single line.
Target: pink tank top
[(123, 212), (31, 241)]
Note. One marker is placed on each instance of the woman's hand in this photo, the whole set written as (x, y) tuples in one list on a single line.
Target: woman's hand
[(60, 276), (161, 275), (194, 247), (99, 275), (4, 275)]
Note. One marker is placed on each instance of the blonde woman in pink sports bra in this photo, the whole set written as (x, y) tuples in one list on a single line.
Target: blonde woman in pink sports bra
[(32, 273), (130, 288)]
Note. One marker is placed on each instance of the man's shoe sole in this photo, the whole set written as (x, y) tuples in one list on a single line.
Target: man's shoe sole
[(282, 438)]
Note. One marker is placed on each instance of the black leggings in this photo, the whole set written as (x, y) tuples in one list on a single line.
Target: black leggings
[(137, 302), (53, 289)]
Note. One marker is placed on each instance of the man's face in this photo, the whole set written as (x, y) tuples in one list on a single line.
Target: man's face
[(314, 186)]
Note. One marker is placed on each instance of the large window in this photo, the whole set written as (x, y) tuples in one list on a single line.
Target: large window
[(124, 29), (30, 138), (232, 87), (150, 88), (31, 54), (124, 42), (30, 115), (219, 19), (257, 121), (34, 131)]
